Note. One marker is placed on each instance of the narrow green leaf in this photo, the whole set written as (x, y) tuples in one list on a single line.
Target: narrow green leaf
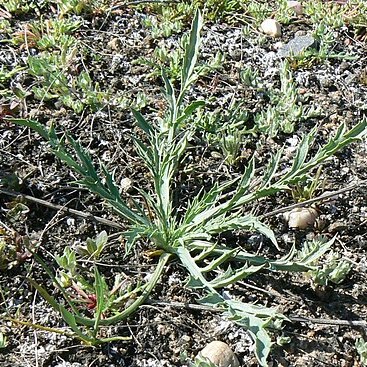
[(192, 50), (100, 287), (189, 110), (232, 276), (271, 169), (170, 97), (34, 125), (219, 261), (142, 122)]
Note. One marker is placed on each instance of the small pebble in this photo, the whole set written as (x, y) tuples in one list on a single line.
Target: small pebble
[(301, 218), (296, 6), (114, 44), (126, 184), (220, 354), (337, 227), (271, 27)]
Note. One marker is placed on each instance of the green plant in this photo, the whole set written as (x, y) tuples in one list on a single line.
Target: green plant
[(187, 231), (325, 37), (306, 190), (285, 108), (5, 26), (164, 25), (361, 347), (17, 6), (328, 13), (202, 362), (48, 34), (171, 62), (54, 83), (333, 269), (249, 77), (3, 341), (84, 297), (82, 6), (284, 14), (226, 130), (14, 249)]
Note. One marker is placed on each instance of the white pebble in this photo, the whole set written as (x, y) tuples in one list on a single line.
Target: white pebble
[(220, 354), (271, 27), (301, 218)]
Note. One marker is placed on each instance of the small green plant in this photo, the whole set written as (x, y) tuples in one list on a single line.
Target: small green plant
[(5, 26), (333, 269), (82, 7), (306, 190), (54, 83), (230, 143), (3, 341), (18, 6), (284, 14), (361, 347), (285, 108), (164, 25), (328, 13), (171, 62), (14, 249), (188, 231), (225, 129), (325, 38), (48, 34), (249, 77), (88, 302), (201, 362)]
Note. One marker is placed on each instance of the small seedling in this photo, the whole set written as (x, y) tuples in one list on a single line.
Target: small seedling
[(361, 347), (3, 341), (332, 268), (14, 249), (285, 108), (306, 190), (334, 271)]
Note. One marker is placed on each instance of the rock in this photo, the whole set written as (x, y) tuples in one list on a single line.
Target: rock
[(126, 184), (296, 6), (297, 45), (271, 27), (220, 354), (114, 44), (337, 227), (301, 218)]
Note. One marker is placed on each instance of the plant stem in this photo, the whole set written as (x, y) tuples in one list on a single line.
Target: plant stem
[(135, 305)]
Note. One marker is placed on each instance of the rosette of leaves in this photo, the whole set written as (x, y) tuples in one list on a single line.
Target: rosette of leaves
[(187, 231)]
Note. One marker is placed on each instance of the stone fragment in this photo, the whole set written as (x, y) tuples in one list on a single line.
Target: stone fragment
[(337, 227), (220, 354), (126, 184), (301, 218), (296, 6), (114, 44), (271, 27), (297, 45)]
